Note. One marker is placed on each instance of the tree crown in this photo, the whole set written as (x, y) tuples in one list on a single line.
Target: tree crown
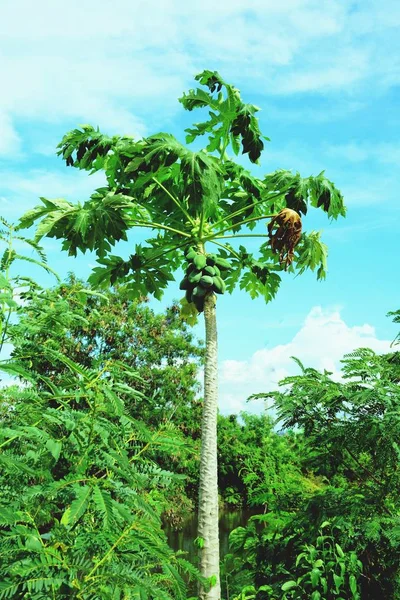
[(189, 198)]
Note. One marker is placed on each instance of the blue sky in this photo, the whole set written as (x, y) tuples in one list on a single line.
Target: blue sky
[(327, 78)]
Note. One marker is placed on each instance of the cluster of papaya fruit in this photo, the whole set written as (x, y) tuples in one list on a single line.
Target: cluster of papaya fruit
[(204, 274)]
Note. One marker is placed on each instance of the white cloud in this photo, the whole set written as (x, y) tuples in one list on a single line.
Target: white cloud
[(365, 188), (22, 191), (304, 156), (344, 69), (71, 183), (119, 63), (333, 109), (9, 138), (358, 152), (345, 165), (321, 342)]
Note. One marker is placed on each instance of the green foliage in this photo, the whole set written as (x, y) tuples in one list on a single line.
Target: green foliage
[(80, 495), (230, 119), (260, 468), (324, 571), (396, 319), (13, 285), (186, 198), (315, 190), (312, 254), (145, 270), (351, 431), (96, 225), (95, 330), (276, 558)]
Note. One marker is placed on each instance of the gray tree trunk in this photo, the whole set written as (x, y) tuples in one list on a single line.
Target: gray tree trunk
[(208, 490)]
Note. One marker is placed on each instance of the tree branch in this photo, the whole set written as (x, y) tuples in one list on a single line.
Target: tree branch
[(230, 250), (152, 225), (175, 200)]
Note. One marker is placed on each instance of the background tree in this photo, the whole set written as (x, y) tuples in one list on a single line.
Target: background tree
[(190, 199), (81, 497), (258, 467), (95, 330), (351, 431), (77, 474)]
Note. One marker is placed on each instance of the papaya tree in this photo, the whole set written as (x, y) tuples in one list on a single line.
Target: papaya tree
[(197, 204)]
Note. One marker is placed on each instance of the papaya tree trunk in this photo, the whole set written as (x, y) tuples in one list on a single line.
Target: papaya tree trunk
[(208, 490)]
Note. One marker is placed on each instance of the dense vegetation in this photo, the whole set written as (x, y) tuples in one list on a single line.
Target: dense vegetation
[(93, 449), (343, 540), (82, 483), (106, 442)]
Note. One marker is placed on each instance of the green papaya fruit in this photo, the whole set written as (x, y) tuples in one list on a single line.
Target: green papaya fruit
[(223, 264), (206, 281), (210, 271), (188, 295), (199, 292), (219, 285), (200, 261), (190, 255), (211, 258), (184, 284), (190, 250), (195, 276), (216, 270)]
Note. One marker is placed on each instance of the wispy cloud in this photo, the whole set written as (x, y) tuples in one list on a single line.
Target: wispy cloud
[(115, 63), (9, 139), (358, 152), (363, 170), (21, 191), (325, 110)]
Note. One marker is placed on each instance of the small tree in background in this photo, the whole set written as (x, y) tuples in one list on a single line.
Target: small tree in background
[(193, 202), (80, 496), (93, 329), (350, 431)]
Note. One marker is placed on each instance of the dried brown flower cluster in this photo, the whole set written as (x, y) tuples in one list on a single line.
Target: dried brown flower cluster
[(284, 232)]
